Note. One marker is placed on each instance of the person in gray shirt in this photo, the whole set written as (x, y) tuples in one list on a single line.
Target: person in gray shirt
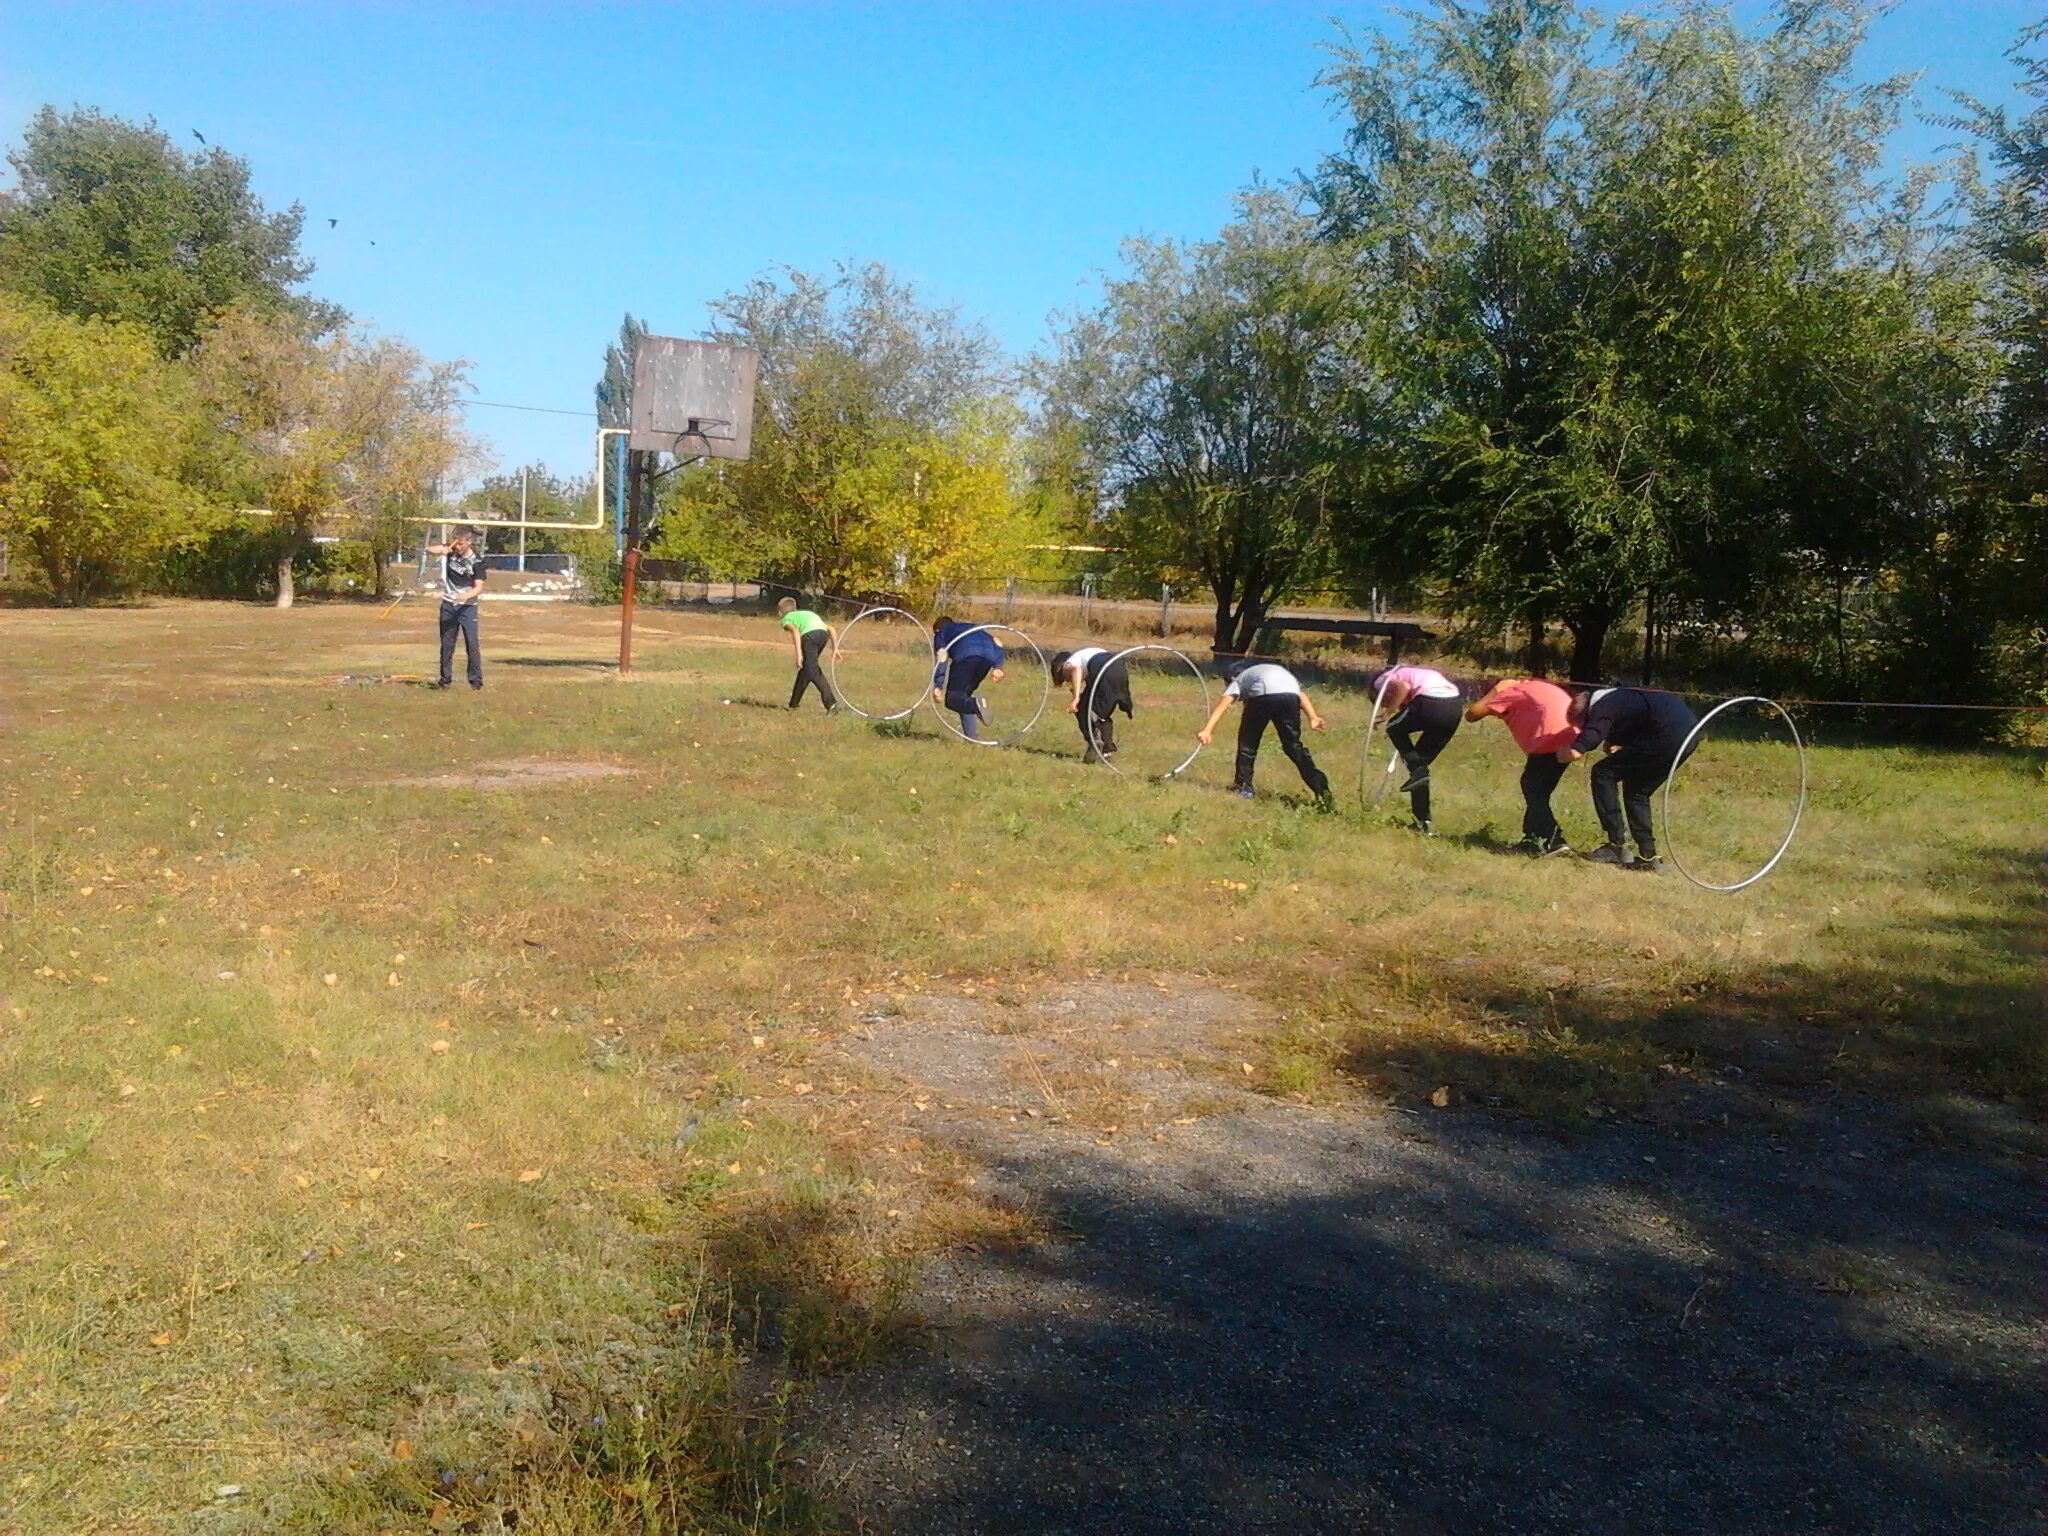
[(1270, 695)]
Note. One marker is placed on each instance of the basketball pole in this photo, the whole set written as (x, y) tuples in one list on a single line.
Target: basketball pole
[(636, 485)]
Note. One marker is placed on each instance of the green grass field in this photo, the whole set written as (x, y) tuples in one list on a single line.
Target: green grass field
[(421, 1104)]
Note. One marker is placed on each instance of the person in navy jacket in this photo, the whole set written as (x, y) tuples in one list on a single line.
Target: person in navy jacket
[(1642, 730), (968, 655)]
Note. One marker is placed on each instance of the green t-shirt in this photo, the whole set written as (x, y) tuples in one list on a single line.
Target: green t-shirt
[(802, 620)]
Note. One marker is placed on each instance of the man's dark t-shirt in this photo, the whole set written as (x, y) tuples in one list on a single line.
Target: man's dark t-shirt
[(460, 570)]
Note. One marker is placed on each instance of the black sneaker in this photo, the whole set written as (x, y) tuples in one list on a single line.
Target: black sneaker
[(981, 709), (1609, 853), (1416, 780), (1648, 863), (1326, 802), (1425, 829), (1555, 845), (444, 683)]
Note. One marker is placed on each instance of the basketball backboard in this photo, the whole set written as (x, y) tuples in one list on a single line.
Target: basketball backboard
[(693, 398)]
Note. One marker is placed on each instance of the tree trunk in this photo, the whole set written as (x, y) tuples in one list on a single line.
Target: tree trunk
[(1220, 634), (287, 552), (1251, 618), (1538, 658), (1589, 628), (379, 566)]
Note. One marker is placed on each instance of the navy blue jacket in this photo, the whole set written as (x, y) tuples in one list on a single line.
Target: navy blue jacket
[(1642, 720)]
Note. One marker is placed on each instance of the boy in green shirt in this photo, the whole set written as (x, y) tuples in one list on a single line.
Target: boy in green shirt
[(808, 637)]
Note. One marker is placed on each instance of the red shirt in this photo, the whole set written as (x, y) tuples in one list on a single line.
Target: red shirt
[(1534, 713)]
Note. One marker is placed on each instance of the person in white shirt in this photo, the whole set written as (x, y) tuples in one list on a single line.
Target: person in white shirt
[(1269, 694), (1093, 673), (1423, 709)]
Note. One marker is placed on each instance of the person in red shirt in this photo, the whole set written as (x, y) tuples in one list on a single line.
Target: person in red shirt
[(1538, 715)]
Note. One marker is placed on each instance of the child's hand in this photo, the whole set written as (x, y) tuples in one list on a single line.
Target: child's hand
[(1316, 724), (995, 675), (1205, 736), (1073, 706)]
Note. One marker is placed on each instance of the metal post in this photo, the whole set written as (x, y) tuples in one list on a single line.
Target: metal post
[(1088, 600), (1165, 608), (522, 520), (636, 474), (1009, 599)]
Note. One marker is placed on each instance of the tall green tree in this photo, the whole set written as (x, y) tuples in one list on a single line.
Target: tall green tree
[(615, 386), (1223, 412), (1638, 284), (335, 433), (97, 441), (111, 220), (879, 418)]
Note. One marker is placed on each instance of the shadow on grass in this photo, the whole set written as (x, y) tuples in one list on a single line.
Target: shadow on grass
[(1898, 1017), (1326, 1325), (570, 663)]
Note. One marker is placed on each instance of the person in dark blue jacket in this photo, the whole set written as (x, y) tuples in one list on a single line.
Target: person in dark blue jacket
[(968, 656), (1642, 730)]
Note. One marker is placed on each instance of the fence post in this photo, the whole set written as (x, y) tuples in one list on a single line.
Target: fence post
[(1165, 609), (1009, 599), (1088, 600)]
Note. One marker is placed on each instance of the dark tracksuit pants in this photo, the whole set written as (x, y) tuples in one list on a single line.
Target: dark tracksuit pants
[(1623, 784), (1422, 729), (964, 678), (1282, 711), (1108, 689), (1540, 777), (811, 675), (460, 618)]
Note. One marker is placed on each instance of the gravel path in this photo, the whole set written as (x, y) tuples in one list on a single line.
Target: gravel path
[(1292, 1320)]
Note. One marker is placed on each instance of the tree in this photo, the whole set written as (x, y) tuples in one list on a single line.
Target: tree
[(96, 441), (334, 432), (1620, 274), (111, 220), (615, 388), (879, 421), (1222, 409)]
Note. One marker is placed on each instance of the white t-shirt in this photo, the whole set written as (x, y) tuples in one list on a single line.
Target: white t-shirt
[(1262, 680), (1082, 657)]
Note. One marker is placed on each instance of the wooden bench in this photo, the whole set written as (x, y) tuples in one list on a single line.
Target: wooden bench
[(1395, 632)]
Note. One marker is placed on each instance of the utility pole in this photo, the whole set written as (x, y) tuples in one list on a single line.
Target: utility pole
[(522, 520)]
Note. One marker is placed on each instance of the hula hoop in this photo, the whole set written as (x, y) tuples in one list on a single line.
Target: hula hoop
[(1089, 703), (1798, 807), (923, 687), (1045, 694), (1372, 791)]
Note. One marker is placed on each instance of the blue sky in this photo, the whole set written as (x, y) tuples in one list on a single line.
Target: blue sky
[(529, 173)]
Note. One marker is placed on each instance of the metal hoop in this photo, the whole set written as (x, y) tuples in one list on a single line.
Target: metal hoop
[(1798, 808), (1045, 694), (923, 687), (1089, 702), (1372, 791)]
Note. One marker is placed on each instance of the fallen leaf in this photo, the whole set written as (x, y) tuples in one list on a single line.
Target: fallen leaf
[(373, 1174), (1442, 1097), (160, 1339), (440, 1047), (732, 1167), (528, 1175), (474, 1226), (1245, 1067), (302, 1181), (330, 979), (402, 1451)]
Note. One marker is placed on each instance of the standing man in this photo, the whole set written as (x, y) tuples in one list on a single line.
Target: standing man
[(967, 656), (1422, 709), (808, 637), (1270, 695), (1094, 673), (462, 583), (1642, 731), (1538, 715)]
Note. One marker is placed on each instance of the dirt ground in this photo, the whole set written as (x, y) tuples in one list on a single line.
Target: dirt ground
[(1751, 1317)]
